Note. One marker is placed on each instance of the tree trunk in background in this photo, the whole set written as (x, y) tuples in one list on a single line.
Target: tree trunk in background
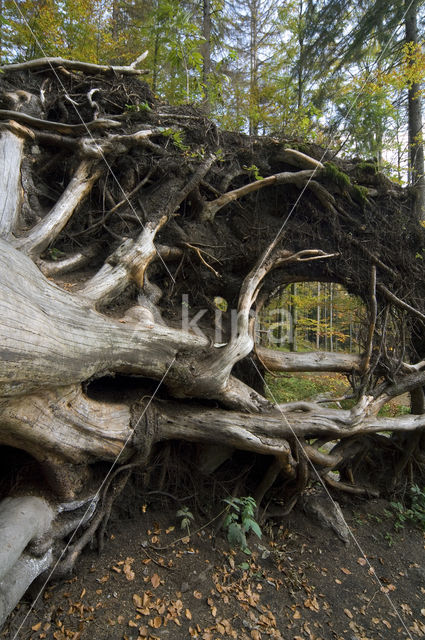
[(253, 69), (293, 315), (206, 51), (331, 311), (416, 151), (318, 317)]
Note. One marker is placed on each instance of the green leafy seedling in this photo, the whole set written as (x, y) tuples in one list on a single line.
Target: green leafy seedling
[(186, 518), (239, 521), (254, 170)]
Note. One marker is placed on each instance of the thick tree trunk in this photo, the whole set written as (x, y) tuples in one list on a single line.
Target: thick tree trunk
[(416, 148)]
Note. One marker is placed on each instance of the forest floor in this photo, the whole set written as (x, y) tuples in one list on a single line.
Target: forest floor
[(301, 582)]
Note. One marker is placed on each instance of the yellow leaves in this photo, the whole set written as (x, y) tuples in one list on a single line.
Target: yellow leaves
[(137, 600), (128, 572), (156, 622), (103, 579), (346, 571), (312, 603)]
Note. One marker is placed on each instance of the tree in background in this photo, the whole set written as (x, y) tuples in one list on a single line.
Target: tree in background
[(340, 73)]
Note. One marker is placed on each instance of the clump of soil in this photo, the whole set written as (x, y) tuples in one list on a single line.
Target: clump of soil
[(155, 581)]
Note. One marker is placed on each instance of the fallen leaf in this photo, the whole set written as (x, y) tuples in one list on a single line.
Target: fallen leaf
[(137, 600), (197, 595), (311, 603), (348, 613), (155, 580), (188, 614), (36, 627), (362, 561), (104, 579), (346, 571), (156, 622)]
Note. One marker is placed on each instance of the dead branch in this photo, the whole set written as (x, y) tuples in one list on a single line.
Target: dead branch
[(42, 234), (59, 127), (297, 178), (311, 361), (76, 65), (398, 302), (373, 308)]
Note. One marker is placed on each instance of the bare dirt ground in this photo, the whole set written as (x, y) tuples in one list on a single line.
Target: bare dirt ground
[(301, 582)]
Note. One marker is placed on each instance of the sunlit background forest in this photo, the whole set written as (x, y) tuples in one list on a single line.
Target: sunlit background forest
[(332, 71)]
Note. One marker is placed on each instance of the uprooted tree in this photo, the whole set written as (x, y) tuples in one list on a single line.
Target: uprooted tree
[(115, 207)]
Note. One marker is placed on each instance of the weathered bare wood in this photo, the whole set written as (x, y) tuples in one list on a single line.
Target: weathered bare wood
[(128, 263), (22, 519), (116, 144), (275, 360), (389, 295), (298, 159), (58, 127), (48, 335), (78, 260), (11, 154), (76, 65), (373, 309), (213, 374), (20, 577), (265, 432), (42, 234), (64, 424), (297, 178)]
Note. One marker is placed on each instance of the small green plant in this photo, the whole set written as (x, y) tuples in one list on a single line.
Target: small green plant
[(240, 519), (141, 106), (414, 514), (390, 540), (254, 170), (55, 254), (187, 518), (177, 138)]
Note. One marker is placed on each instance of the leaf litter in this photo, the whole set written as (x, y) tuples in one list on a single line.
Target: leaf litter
[(290, 593)]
